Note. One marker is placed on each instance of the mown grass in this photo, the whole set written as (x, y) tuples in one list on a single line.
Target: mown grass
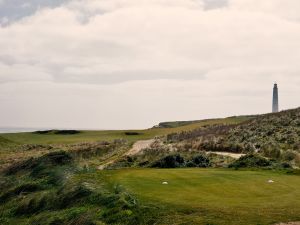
[(215, 196), (108, 135)]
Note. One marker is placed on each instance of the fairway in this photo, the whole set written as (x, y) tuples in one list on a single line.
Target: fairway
[(215, 196), (109, 135)]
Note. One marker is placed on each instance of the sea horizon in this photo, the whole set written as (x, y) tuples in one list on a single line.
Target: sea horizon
[(4, 130)]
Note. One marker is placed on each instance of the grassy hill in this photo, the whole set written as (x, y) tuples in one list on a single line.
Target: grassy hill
[(275, 136), (229, 120), (271, 132)]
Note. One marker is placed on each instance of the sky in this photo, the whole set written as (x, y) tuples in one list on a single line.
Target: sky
[(129, 64)]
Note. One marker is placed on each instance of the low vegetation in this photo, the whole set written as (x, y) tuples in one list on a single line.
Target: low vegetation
[(274, 136), (52, 189), (64, 132)]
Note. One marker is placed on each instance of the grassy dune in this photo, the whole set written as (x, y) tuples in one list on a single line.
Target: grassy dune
[(214, 196), (108, 135)]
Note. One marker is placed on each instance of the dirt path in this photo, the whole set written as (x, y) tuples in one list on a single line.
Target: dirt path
[(139, 146), (233, 155), (136, 148)]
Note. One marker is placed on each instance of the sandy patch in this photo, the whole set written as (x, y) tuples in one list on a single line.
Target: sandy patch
[(139, 146), (233, 155)]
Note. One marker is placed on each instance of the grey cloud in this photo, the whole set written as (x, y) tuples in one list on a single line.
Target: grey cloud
[(213, 4), (12, 10)]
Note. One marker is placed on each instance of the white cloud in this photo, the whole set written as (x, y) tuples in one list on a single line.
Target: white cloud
[(167, 55), (288, 9)]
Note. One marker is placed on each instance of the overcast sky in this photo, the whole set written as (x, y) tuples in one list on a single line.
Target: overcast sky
[(112, 64)]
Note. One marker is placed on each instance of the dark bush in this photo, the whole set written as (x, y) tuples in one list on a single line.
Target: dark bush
[(132, 133), (191, 164), (286, 165), (249, 161), (144, 163), (170, 161), (43, 131), (66, 132), (63, 132), (201, 161), (57, 158)]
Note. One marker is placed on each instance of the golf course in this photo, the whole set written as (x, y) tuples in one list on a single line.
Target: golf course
[(109, 135), (232, 171), (215, 196)]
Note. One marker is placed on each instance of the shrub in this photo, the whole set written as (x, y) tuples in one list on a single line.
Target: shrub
[(271, 152), (57, 158), (191, 164), (249, 161), (132, 133), (66, 132), (286, 165), (201, 161), (289, 155), (170, 161), (63, 132)]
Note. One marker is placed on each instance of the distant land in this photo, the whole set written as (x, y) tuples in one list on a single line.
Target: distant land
[(4, 130), (17, 129)]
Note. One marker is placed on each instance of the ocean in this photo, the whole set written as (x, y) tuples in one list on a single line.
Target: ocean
[(20, 129), (30, 129)]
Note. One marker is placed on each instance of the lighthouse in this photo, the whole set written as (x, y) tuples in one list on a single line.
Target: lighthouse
[(275, 107)]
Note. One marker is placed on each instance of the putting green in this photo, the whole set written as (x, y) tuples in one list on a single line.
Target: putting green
[(215, 196)]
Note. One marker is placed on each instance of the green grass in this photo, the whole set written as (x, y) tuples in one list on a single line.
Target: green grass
[(215, 196), (108, 135)]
